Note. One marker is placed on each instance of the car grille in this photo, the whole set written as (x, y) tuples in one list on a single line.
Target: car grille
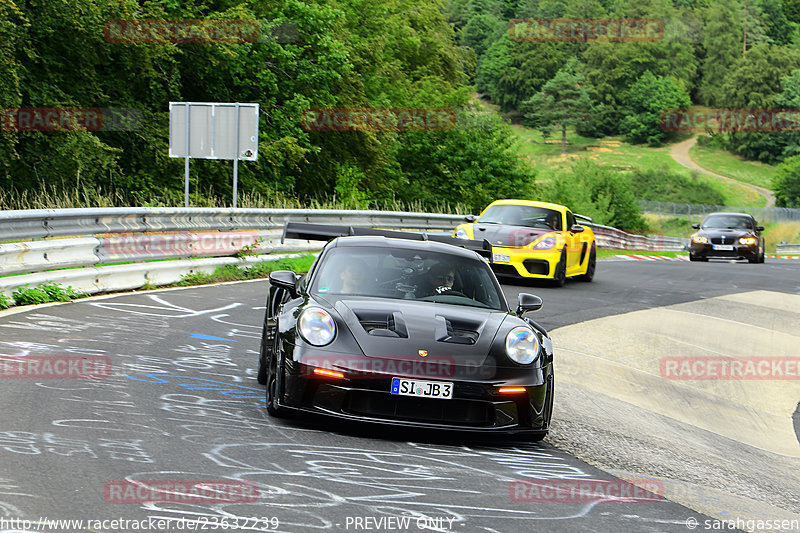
[(504, 270), (723, 240), (456, 411), (537, 266)]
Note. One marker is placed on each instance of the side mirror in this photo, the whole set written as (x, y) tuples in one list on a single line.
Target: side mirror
[(696, 226), (577, 228), (470, 218), (284, 279), (528, 302), (759, 228)]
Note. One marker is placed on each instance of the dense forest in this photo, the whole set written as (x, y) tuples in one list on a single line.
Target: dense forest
[(380, 54)]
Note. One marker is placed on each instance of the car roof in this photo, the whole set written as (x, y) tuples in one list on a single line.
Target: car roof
[(407, 244), (531, 203), (730, 213)]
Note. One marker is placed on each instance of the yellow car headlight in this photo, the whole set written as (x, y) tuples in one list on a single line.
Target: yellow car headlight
[(545, 244), (699, 239), (748, 241), (461, 233)]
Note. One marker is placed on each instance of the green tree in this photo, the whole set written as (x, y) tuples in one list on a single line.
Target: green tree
[(563, 101), (481, 31), (611, 69), (787, 183), (474, 164), (755, 83), (646, 101), (722, 45)]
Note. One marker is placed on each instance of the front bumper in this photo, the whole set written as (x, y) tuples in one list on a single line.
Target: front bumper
[(739, 251), (476, 406), (528, 264)]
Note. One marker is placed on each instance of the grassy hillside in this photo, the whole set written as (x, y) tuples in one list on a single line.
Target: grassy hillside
[(546, 158)]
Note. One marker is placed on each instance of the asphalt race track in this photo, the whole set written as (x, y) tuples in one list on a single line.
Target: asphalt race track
[(181, 404)]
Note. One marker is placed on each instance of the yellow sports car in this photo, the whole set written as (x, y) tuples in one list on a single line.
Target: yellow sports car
[(534, 240)]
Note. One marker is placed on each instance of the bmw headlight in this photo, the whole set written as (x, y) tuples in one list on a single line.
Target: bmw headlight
[(461, 233), (316, 326), (545, 244), (748, 241), (522, 345), (699, 239)]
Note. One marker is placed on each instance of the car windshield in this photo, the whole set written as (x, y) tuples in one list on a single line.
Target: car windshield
[(522, 215), (727, 222), (401, 273)]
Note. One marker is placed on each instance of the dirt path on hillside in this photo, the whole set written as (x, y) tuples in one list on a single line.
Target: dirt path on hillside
[(680, 153)]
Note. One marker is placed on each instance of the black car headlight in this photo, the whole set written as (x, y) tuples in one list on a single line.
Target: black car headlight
[(699, 239), (522, 345), (748, 241), (316, 326)]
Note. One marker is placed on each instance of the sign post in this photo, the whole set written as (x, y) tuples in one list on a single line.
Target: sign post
[(213, 130)]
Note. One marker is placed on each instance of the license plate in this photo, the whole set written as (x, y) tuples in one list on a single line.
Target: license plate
[(723, 247), (426, 389), (501, 258)]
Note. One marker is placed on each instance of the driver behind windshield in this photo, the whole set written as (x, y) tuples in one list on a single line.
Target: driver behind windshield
[(439, 280)]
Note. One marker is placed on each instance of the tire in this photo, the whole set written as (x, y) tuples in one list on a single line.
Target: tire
[(591, 266), (560, 275), (549, 413), (695, 258), (273, 374), (261, 375)]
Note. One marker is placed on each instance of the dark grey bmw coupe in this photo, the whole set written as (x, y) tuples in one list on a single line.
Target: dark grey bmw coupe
[(727, 236), (406, 332)]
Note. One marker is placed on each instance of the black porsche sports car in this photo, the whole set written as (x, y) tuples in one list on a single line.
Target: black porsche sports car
[(406, 332), (727, 236)]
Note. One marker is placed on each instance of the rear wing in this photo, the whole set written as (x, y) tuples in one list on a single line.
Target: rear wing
[(326, 232)]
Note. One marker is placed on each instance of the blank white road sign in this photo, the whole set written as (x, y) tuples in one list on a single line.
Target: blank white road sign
[(212, 130)]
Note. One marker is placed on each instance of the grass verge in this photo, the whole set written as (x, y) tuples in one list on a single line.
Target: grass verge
[(728, 164), (53, 292), (255, 271)]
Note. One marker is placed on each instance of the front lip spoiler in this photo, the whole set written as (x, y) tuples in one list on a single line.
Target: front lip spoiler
[(511, 430)]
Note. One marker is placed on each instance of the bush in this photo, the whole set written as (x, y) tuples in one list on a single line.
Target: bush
[(665, 185), (596, 191), (787, 183), (5, 301), (30, 296), (45, 293)]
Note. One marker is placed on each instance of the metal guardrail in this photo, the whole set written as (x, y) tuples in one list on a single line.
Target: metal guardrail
[(105, 236), (608, 237), (698, 212), (44, 223), (787, 249)]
